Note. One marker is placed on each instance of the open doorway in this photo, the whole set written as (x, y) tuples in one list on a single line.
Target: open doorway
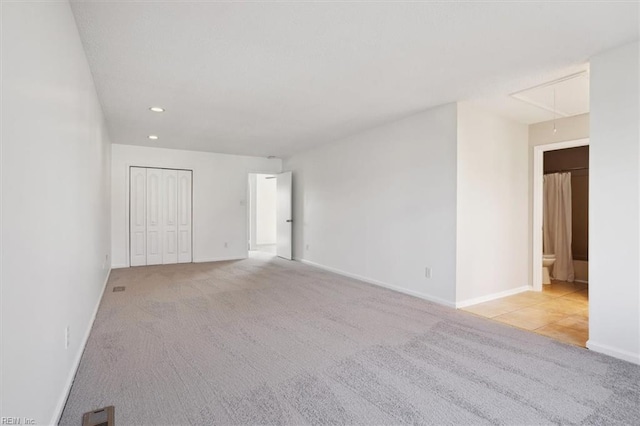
[(552, 162), (565, 223), (263, 201), (561, 237)]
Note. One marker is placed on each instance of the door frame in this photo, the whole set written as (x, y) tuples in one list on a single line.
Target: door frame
[(128, 167), (538, 173), (287, 251)]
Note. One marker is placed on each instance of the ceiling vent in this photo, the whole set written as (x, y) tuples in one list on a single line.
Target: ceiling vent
[(565, 97)]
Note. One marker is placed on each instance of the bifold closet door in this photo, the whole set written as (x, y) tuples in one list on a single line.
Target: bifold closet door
[(154, 216), (170, 216), (160, 216), (184, 216), (138, 213)]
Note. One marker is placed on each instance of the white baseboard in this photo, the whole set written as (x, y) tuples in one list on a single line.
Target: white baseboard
[(616, 353), (76, 362), (198, 260), (217, 259), (493, 296), (378, 283), (582, 281)]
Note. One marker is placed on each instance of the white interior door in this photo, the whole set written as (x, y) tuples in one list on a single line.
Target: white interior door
[(284, 227), (138, 216), (154, 217), (184, 216), (170, 216)]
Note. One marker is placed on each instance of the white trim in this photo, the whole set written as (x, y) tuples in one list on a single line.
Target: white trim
[(582, 281), (218, 259), (538, 170), (119, 266), (493, 296), (378, 283), (200, 260), (57, 414), (616, 353)]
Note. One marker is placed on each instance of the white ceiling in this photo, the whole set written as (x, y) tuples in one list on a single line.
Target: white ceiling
[(277, 78)]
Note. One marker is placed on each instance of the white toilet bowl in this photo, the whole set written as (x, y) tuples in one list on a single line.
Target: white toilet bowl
[(547, 261)]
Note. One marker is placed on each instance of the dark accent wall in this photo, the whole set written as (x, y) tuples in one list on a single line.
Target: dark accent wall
[(576, 161)]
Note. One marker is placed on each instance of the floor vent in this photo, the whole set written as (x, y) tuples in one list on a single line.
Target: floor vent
[(118, 288), (100, 417)]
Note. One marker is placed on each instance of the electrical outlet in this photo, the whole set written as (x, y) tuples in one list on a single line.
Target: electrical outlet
[(307, 247), (427, 272), (66, 337), (226, 245)]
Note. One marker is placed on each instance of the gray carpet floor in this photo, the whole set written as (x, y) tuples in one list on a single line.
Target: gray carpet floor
[(267, 341)]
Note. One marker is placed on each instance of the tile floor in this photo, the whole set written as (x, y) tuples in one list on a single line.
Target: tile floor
[(560, 311)]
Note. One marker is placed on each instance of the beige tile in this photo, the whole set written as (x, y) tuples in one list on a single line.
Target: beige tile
[(555, 283), (560, 311), (529, 318), (581, 295), (576, 322), (486, 311), (561, 288), (561, 305), (564, 334), (581, 286), (529, 298), (494, 308), (584, 313)]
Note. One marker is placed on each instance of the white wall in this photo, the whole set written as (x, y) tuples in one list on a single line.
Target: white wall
[(567, 129), (614, 213), (381, 205), (220, 191), (266, 198), (55, 206), (493, 206)]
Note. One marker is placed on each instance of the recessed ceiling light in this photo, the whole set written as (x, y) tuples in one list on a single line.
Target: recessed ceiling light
[(156, 109), (153, 137)]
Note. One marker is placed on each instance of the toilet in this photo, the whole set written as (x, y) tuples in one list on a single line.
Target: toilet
[(547, 261)]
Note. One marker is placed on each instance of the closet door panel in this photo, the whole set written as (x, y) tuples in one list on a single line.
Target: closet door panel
[(137, 216), (170, 216), (184, 216), (154, 216)]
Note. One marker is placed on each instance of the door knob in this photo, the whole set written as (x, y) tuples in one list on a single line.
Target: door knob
[(289, 220)]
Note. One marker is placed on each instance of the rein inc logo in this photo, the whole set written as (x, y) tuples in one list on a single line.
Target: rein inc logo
[(17, 421)]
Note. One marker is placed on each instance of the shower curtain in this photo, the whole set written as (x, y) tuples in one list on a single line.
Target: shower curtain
[(556, 225)]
